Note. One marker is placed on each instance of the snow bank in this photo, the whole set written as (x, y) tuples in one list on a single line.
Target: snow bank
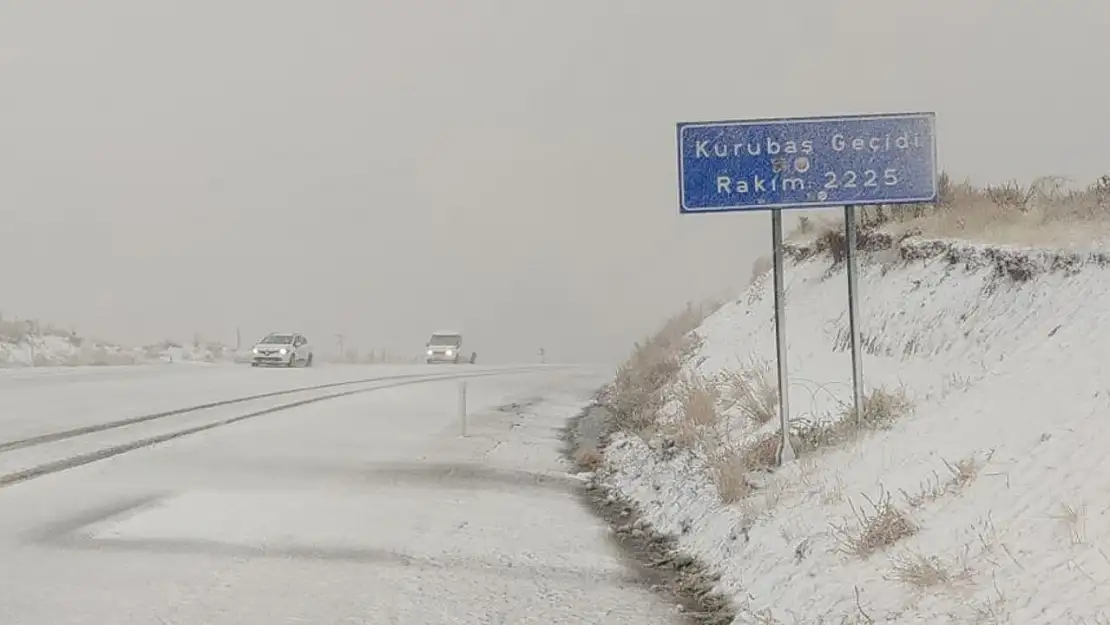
[(25, 344), (996, 472)]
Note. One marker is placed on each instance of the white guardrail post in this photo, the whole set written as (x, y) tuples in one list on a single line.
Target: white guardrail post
[(462, 406)]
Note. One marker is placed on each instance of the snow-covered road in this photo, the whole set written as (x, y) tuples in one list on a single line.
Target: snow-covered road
[(80, 396), (365, 508)]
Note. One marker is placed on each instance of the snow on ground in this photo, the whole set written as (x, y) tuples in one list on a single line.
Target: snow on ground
[(25, 344), (1000, 465), (42, 400), (367, 509)]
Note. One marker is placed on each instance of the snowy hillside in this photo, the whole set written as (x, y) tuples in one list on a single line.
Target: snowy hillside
[(971, 492), (25, 343)]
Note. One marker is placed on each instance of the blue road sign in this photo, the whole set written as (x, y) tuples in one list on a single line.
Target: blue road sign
[(808, 162)]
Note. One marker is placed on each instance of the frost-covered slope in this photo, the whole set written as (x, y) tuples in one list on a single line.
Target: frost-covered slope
[(999, 466), (26, 343)]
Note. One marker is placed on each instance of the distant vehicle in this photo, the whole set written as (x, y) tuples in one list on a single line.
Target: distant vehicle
[(446, 346), (287, 349)]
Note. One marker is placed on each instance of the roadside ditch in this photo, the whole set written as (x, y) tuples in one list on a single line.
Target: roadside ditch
[(678, 577)]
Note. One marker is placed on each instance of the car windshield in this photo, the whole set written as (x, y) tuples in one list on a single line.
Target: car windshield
[(445, 340), (277, 339)]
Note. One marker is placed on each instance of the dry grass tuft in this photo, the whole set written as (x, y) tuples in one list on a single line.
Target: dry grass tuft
[(637, 390), (729, 471), (924, 572), (588, 458), (698, 399), (731, 467), (812, 437), (754, 391), (698, 418), (960, 474), (832, 492), (831, 241), (963, 471), (681, 433), (636, 394), (1047, 211), (876, 529), (763, 454), (880, 409)]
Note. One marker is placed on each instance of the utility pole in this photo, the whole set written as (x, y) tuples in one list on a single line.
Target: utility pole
[(342, 353)]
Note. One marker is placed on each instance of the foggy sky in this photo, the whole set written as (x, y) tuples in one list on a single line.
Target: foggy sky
[(501, 167)]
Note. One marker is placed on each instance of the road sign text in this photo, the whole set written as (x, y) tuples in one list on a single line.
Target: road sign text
[(807, 162)]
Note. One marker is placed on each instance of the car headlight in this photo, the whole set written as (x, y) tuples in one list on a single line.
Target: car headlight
[(255, 350), (429, 352), (283, 351), (450, 353)]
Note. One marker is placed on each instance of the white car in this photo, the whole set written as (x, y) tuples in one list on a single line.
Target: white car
[(283, 349), (445, 346)]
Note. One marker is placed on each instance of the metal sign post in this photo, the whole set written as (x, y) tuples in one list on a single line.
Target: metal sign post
[(786, 451), (808, 162), (853, 310)]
